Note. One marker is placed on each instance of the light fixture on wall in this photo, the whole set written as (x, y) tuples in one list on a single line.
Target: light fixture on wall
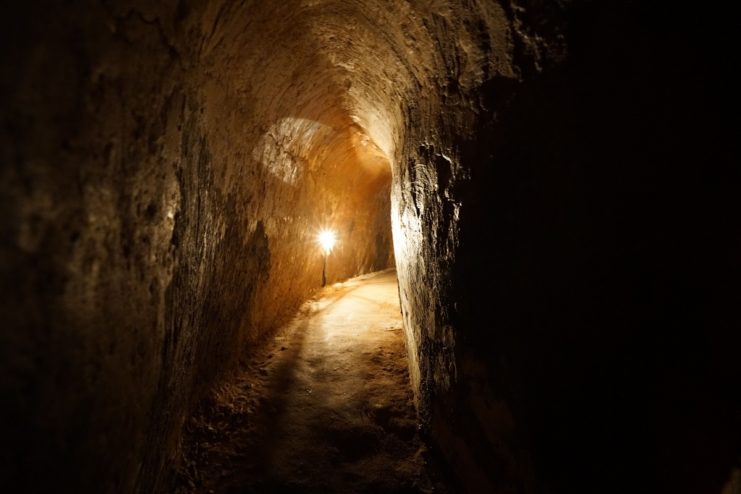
[(326, 239)]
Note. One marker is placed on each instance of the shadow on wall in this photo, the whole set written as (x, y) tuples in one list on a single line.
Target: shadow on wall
[(595, 287)]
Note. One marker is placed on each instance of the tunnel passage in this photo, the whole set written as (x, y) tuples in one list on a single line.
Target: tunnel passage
[(561, 178)]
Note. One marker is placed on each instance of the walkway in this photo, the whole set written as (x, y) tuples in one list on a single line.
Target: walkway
[(326, 408)]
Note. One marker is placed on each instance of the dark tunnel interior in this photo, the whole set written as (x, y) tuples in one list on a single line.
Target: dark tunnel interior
[(535, 281)]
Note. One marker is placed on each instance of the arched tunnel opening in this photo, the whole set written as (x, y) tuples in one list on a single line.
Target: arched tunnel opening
[(532, 289)]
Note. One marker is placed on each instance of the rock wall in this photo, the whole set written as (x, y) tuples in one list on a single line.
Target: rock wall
[(162, 190), (561, 178), (565, 249)]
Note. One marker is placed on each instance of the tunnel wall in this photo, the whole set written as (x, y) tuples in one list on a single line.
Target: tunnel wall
[(160, 207), (564, 249)]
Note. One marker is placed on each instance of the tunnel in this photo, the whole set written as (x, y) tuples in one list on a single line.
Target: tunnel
[(533, 283)]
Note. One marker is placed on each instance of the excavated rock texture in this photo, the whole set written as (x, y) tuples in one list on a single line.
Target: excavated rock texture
[(561, 178), (166, 169), (562, 236), (564, 247)]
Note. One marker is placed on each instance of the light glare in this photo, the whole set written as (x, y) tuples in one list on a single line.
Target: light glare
[(327, 239)]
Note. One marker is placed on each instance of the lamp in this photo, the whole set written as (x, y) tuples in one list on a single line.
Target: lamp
[(326, 239)]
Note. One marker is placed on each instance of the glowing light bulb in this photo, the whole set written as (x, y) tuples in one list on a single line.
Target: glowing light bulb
[(327, 239)]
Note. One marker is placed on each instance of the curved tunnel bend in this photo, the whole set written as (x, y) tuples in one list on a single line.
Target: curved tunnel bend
[(169, 163)]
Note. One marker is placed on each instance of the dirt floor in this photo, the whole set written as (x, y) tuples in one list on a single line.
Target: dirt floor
[(325, 407)]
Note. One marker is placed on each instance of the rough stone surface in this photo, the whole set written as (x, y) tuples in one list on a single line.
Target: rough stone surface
[(161, 198), (562, 176)]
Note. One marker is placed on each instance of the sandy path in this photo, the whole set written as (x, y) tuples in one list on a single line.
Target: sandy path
[(326, 407)]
